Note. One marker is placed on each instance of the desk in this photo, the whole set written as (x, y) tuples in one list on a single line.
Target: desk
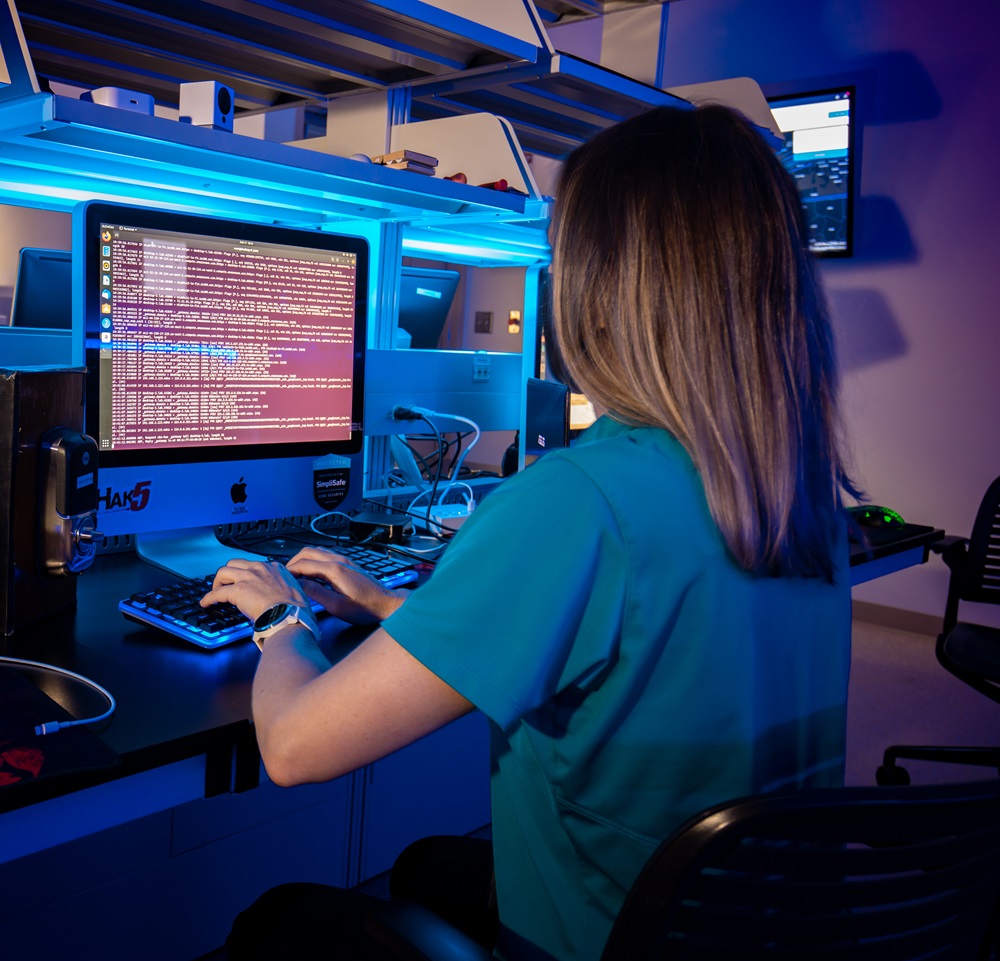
[(174, 703), (177, 703), (188, 710), (891, 550), (183, 717), (154, 858)]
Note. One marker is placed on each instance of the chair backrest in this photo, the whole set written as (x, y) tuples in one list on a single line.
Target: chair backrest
[(885, 874), (980, 576)]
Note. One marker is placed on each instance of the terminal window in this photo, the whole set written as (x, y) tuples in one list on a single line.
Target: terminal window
[(220, 341)]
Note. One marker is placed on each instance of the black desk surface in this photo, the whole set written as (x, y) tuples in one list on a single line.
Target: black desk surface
[(175, 700), (885, 541)]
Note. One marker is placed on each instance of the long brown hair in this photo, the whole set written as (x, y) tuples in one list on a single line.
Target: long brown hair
[(685, 298)]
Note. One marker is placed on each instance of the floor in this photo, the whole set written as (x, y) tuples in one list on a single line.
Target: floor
[(898, 695)]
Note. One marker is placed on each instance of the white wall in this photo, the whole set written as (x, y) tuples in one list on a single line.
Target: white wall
[(915, 309)]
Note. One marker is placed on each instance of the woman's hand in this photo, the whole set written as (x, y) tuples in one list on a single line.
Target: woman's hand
[(346, 591), (254, 587)]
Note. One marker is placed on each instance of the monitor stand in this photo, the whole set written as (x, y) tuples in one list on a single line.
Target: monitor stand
[(194, 552)]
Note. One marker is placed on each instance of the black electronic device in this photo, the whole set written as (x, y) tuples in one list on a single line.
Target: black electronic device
[(67, 502), (820, 154), (546, 416), (380, 527), (546, 422), (45, 492)]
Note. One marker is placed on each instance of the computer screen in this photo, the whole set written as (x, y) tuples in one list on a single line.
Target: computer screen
[(819, 153), (425, 296), (43, 290), (225, 367)]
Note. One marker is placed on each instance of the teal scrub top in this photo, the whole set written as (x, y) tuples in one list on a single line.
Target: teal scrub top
[(632, 674)]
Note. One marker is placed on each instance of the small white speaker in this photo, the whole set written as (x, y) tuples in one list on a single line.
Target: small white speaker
[(207, 103)]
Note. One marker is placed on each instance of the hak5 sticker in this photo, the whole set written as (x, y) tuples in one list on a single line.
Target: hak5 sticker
[(331, 480)]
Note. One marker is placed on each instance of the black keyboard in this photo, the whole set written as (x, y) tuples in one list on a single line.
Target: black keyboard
[(174, 608)]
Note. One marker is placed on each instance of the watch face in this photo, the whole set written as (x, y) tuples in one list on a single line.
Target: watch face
[(272, 616)]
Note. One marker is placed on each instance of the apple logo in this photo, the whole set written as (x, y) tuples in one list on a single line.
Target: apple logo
[(238, 492)]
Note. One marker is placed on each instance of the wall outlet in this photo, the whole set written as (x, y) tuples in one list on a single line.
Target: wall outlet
[(480, 366), (484, 322)]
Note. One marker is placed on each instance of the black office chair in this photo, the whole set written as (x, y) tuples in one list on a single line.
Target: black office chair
[(848, 874), (969, 651)]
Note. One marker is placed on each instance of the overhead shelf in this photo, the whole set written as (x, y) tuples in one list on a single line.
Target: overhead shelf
[(492, 57), (56, 151), (553, 104), (271, 53)]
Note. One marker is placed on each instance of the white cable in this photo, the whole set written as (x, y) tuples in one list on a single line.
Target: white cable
[(465, 451), (319, 517), (50, 727), (436, 549), (470, 501)]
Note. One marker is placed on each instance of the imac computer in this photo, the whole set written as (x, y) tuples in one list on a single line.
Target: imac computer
[(225, 374), (819, 152)]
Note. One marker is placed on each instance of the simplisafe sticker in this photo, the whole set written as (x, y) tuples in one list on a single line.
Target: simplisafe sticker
[(331, 480)]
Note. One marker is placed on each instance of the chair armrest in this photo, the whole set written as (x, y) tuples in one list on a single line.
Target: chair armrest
[(952, 549), (415, 933)]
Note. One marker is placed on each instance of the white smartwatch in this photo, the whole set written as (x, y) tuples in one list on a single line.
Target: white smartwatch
[(282, 615)]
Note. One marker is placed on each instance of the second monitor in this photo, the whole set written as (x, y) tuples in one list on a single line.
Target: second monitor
[(425, 297), (43, 295)]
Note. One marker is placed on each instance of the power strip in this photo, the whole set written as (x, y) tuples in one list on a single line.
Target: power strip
[(450, 516)]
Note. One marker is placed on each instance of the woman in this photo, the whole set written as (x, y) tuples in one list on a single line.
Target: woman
[(655, 620)]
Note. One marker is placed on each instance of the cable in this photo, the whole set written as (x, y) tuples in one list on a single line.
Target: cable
[(470, 500), (422, 517), (456, 470), (435, 529), (417, 552), (320, 517), (401, 412), (422, 413), (453, 471), (50, 727), (437, 473), (424, 463)]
